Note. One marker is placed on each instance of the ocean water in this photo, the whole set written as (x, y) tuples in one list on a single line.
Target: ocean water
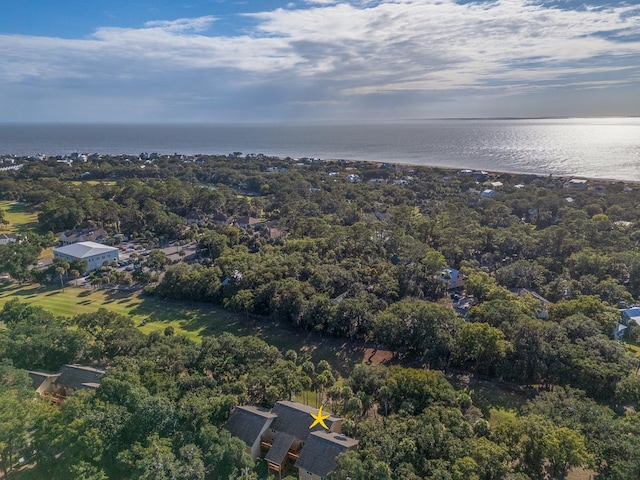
[(589, 147)]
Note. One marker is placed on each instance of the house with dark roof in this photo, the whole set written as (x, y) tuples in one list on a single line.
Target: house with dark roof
[(222, 219), (318, 458), (69, 379), (284, 436), (249, 423), (78, 377), (44, 382), (90, 234), (246, 222), (196, 217)]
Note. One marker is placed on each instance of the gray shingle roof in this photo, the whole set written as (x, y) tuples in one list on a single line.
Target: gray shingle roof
[(246, 422), (321, 451), (39, 378), (278, 451), (295, 418), (79, 376)]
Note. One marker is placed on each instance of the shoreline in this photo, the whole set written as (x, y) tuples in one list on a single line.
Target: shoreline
[(456, 170), (399, 163)]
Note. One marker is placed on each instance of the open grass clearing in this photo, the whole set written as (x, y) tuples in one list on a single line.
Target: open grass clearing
[(632, 347), (193, 319), (488, 395), (19, 217), (93, 182)]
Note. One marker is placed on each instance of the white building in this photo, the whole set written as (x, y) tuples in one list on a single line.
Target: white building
[(6, 238), (95, 254)]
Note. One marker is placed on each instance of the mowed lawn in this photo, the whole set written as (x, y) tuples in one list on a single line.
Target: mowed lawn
[(193, 319), (93, 182), (19, 217)]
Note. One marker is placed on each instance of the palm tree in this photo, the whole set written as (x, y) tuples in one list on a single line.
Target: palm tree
[(60, 271)]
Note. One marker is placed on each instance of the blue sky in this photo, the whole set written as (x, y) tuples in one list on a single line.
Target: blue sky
[(316, 60)]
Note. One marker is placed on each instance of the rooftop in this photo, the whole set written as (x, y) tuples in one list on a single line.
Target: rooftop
[(247, 421), (79, 377), (321, 451), (85, 249), (295, 418)]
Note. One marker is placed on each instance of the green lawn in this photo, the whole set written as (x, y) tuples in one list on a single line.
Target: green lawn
[(633, 348), (192, 319), (19, 217), (93, 182), (491, 394)]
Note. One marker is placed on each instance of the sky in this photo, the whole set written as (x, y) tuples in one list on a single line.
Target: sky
[(306, 61)]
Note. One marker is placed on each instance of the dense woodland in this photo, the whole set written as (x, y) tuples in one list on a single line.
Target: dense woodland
[(357, 252)]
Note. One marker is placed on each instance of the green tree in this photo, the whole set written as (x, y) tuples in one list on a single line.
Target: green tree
[(565, 449), (61, 267), (17, 258), (482, 345), (156, 260)]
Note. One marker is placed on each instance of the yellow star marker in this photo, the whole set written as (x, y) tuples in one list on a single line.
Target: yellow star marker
[(319, 419)]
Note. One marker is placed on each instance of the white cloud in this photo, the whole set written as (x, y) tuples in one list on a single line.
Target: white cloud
[(330, 50), (183, 24)]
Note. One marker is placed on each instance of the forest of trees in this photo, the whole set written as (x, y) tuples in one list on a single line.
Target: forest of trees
[(361, 260)]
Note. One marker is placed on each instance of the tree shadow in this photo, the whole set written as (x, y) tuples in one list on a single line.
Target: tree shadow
[(204, 319), (19, 291)]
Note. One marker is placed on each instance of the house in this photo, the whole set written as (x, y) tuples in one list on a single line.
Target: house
[(627, 315), (480, 175), (496, 184), (83, 235), (6, 238), (488, 193), (543, 311), (451, 277), (195, 218), (577, 184), (222, 219), (284, 436), (249, 423), (353, 178), (620, 331), (246, 222), (67, 381), (44, 382), (78, 377), (95, 254), (318, 458)]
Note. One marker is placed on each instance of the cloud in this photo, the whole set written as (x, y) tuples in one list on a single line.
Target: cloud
[(183, 24), (322, 52)]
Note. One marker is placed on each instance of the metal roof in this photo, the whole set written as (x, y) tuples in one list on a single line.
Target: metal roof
[(85, 249)]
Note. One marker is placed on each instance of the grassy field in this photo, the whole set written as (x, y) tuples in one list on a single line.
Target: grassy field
[(93, 182), (19, 217), (633, 348), (195, 320)]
